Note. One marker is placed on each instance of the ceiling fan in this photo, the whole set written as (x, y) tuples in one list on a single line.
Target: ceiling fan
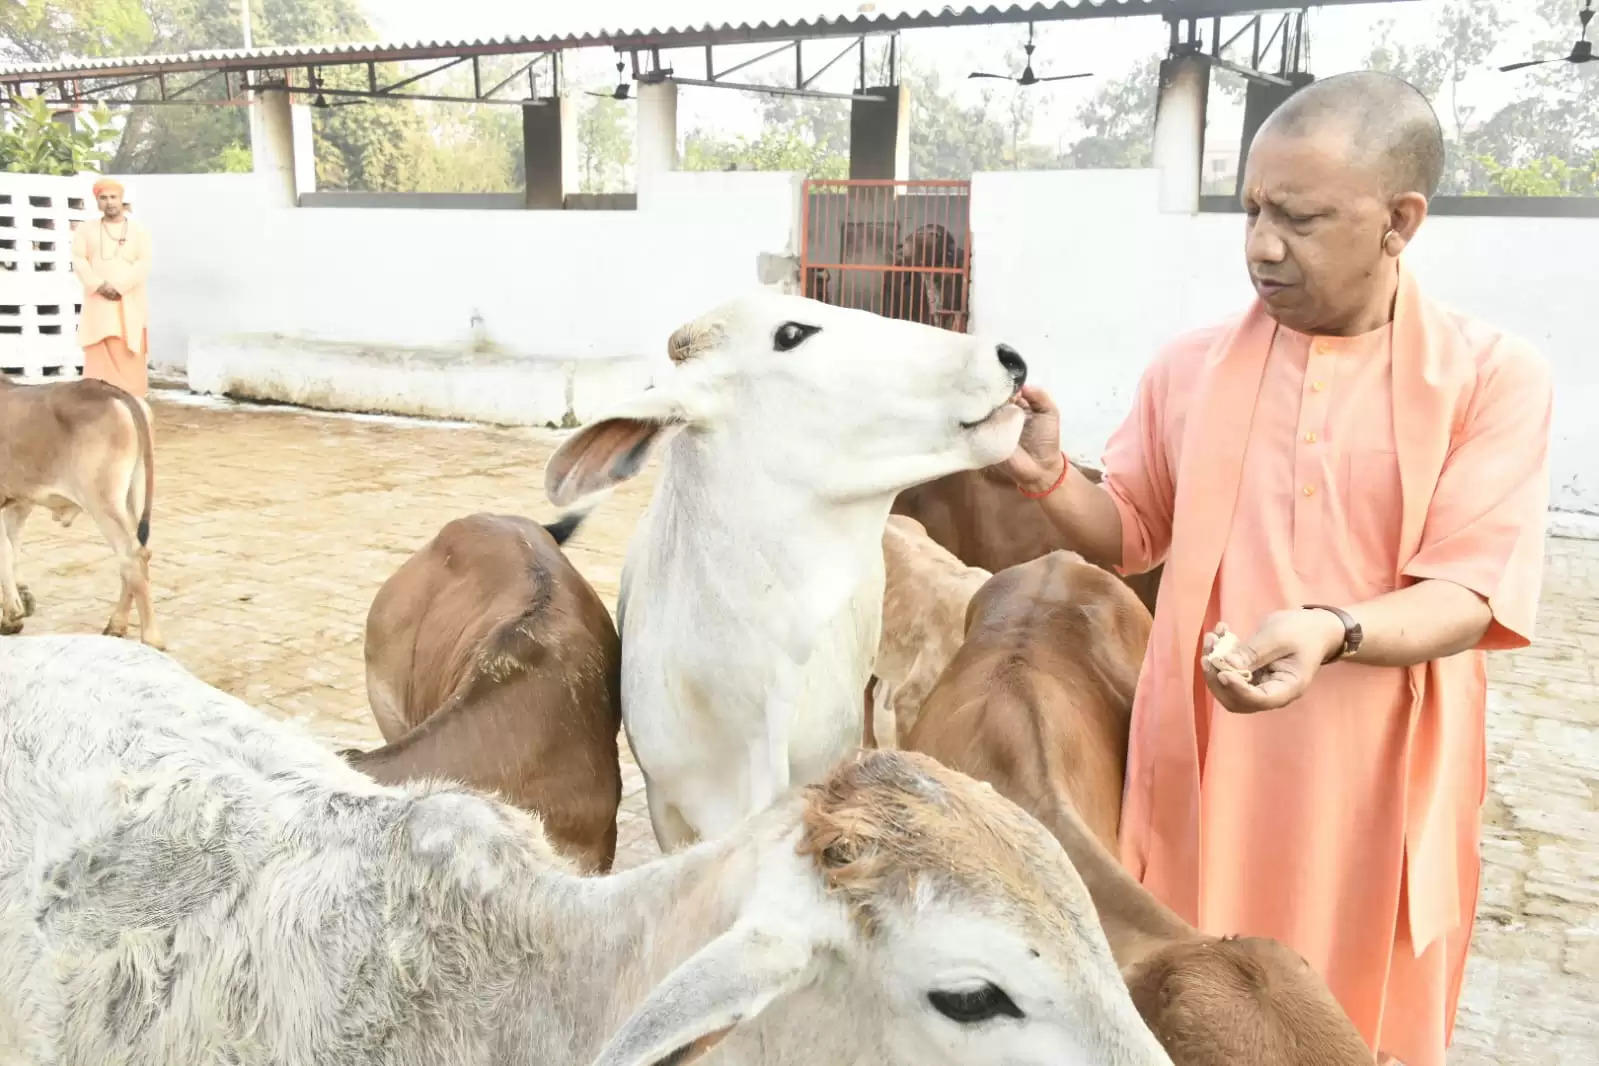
[(623, 87), (1027, 76), (1581, 52)]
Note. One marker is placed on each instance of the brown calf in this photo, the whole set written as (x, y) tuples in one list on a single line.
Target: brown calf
[(1040, 695), (78, 446), (980, 517), (1038, 703), (925, 593), (491, 661)]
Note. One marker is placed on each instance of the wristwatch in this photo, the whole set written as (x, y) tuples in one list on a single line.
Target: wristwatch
[(1352, 632)]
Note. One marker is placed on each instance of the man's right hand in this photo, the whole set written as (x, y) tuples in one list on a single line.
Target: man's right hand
[(1036, 463)]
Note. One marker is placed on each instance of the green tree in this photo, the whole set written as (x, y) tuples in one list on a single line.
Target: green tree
[(950, 139), (605, 145), (1540, 143), (1547, 176), (33, 142), (358, 144), (774, 149), (40, 31), (1120, 122), (806, 134)]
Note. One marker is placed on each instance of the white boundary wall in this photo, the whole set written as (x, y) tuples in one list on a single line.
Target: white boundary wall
[(1086, 278), (526, 316), (541, 317), (39, 294)]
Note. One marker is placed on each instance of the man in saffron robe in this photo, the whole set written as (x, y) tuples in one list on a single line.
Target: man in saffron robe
[(111, 257), (1353, 479)]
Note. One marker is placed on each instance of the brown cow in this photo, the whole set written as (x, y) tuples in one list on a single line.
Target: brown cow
[(1037, 703), (929, 285), (1040, 695), (979, 515), (925, 593), (491, 661), (78, 446)]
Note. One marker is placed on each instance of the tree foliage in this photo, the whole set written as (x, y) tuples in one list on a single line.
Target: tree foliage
[(605, 146), (390, 146), (1546, 176), (1542, 141), (1119, 120), (32, 142), (807, 134), (39, 31)]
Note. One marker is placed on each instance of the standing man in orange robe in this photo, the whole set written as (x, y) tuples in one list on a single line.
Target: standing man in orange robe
[(1354, 479), (112, 260)]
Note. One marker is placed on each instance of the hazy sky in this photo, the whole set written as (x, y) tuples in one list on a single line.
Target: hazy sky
[(1340, 37)]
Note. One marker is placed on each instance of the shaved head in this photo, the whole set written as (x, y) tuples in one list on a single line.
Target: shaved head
[(1386, 119), (1335, 187)]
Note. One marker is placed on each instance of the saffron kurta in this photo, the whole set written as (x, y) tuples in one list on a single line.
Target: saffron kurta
[(114, 333), (1270, 469)]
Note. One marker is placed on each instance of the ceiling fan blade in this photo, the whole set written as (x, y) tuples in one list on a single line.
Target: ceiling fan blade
[(1531, 63), (1066, 77), (1002, 77)]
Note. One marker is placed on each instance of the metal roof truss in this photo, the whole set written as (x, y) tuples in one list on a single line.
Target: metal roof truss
[(1287, 39), (237, 84)]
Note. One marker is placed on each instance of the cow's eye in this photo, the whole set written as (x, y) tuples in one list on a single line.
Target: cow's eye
[(791, 335), (975, 1005)]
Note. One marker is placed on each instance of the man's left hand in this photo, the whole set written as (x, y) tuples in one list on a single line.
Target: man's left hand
[(1274, 667)]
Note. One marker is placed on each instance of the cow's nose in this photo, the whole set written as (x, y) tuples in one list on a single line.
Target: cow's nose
[(1011, 360)]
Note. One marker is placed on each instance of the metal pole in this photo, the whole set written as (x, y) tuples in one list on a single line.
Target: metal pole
[(244, 14)]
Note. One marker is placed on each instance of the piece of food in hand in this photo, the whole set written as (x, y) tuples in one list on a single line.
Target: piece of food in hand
[(1225, 643)]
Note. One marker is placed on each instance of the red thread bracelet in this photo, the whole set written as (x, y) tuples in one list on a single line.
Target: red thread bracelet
[(1065, 465)]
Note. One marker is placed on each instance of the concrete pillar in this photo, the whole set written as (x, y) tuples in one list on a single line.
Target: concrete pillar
[(1260, 100), (657, 136), (281, 145), (549, 151), (880, 135), (1180, 130)]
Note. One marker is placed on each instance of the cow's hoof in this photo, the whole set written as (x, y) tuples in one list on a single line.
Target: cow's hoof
[(155, 641), (27, 601), (8, 627), (348, 754), (113, 630)]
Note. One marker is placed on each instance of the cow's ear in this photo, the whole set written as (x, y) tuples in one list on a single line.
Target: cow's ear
[(612, 449), (725, 984), (602, 455)]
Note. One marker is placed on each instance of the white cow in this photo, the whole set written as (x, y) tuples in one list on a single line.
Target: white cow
[(752, 594), (184, 880)]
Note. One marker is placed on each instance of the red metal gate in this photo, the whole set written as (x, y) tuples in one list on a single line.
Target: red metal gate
[(897, 248)]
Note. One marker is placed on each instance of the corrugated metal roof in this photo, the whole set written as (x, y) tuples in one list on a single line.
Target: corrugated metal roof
[(841, 20)]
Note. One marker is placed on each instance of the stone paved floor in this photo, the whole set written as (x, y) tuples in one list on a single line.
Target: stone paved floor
[(274, 527)]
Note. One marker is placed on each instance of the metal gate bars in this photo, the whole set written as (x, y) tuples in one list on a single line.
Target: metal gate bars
[(897, 248)]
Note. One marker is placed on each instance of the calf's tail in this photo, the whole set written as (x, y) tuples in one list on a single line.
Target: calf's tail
[(147, 458), (562, 528)]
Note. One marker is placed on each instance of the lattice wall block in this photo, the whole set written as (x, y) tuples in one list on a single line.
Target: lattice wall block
[(40, 296)]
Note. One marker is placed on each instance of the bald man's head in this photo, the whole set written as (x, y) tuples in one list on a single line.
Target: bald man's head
[(1386, 120)]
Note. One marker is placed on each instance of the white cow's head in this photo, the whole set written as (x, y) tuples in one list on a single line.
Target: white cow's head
[(848, 404), (914, 918)]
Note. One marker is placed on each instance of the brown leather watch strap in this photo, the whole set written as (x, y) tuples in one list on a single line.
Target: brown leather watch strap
[(1352, 631)]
